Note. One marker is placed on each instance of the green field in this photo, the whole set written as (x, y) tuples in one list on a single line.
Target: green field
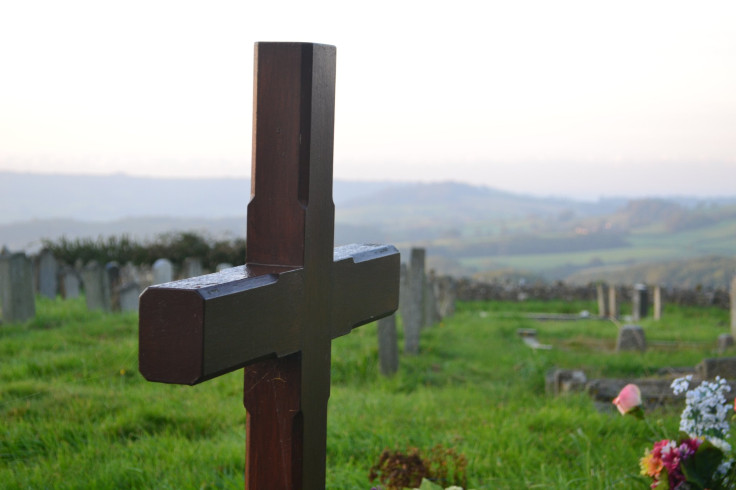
[(75, 413)]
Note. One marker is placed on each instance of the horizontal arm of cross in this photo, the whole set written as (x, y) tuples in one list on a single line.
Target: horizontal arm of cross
[(195, 329)]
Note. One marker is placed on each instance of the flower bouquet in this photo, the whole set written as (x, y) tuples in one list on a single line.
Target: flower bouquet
[(700, 458)]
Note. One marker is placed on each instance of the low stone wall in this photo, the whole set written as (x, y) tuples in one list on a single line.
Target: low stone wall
[(470, 290)]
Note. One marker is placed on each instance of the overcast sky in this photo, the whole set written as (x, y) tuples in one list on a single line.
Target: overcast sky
[(579, 99)]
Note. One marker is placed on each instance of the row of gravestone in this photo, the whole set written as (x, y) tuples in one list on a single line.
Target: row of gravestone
[(424, 300), (108, 288)]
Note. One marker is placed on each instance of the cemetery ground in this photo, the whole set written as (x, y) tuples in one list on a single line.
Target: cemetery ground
[(75, 412)]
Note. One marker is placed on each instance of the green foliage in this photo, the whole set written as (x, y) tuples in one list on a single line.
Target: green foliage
[(175, 246), (75, 413)]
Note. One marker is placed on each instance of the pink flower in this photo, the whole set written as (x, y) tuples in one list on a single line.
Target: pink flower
[(628, 399)]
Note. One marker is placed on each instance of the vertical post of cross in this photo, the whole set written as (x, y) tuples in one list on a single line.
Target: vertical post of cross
[(291, 223)]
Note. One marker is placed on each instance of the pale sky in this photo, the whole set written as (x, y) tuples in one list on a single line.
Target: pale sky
[(569, 98)]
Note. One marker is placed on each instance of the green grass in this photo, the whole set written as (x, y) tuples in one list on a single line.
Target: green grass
[(75, 413)]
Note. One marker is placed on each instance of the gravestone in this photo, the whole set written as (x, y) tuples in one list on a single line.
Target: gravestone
[(277, 314), (709, 368), (129, 293), (129, 273), (725, 341), (48, 282), (657, 299), (192, 267), (388, 348), (612, 302), (600, 291), (17, 296), (733, 306), (403, 289), (431, 317), (68, 283), (163, 271), (631, 337), (414, 309), (558, 381), (114, 280), (96, 287), (446, 295), (639, 302)]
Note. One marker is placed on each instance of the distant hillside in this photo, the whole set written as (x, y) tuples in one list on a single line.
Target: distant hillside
[(466, 229), (25, 196)]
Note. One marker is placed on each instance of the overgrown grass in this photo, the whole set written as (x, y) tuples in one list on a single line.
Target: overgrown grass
[(75, 413)]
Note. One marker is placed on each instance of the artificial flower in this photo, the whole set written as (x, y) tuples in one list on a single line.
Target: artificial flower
[(628, 400)]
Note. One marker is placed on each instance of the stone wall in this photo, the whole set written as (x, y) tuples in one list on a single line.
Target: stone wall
[(470, 290)]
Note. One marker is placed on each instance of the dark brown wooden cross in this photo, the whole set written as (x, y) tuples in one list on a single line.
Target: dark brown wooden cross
[(276, 315)]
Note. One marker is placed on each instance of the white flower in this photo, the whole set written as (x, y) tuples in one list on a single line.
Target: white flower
[(706, 409), (680, 385)]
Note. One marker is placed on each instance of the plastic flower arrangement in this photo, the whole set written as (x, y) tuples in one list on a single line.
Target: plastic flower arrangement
[(700, 458)]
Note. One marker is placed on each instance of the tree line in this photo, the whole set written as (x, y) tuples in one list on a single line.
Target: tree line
[(175, 246)]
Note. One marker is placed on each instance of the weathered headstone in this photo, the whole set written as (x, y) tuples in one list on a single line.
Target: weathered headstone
[(733, 306), (96, 287), (725, 367), (559, 381), (631, 337), (276, 315), (612, 302), (17, 296), (68, 283), (600, 291), (388, 348), (639, 302), (130, 273), (725, 341), (657, 299), (163, 271), (192, 267), (431, 317), (112, 273), (129, 293), (403, 289), (48, 282), (414, 309), (446, 295)]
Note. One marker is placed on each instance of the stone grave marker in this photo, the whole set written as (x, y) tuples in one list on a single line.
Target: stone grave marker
[(631, 337), (129, 293), (639, 302), (657, 302), (96, 287), (277, 314), (725, 341), (446, 296), (163, 271), (388, 348), (17, 295), (709, 368), (600, 291), (612, 303), (48, 273), (414, 308), (403, 289), (431, 317), (192, 267), (114, 278), (68, 283)]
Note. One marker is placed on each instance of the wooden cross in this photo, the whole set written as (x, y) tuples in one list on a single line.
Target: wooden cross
[(276, 315)]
